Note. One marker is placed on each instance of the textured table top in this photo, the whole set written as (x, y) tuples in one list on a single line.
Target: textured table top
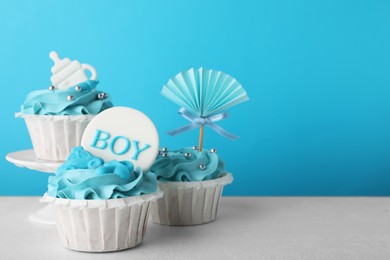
[(246, 228)]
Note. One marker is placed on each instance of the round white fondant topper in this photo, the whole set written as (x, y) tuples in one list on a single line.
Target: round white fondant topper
[(123, 134)]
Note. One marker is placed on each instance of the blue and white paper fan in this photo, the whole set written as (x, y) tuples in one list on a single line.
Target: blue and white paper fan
[(204, 92)]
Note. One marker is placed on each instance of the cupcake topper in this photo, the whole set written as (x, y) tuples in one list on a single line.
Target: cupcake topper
[(203, 94), (123, 134), (68, 73)]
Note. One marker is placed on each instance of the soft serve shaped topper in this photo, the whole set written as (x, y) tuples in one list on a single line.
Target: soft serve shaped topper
[(123, 134), (66, 73)]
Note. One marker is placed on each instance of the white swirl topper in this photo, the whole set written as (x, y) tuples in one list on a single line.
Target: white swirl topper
[(66, 73), (123, 134)]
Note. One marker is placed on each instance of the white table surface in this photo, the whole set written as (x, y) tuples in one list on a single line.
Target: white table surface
[(246, 228)]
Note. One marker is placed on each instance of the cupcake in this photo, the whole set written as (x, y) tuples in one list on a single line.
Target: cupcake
[(192, 182), (56, 117), (193, 178), (100, 206)]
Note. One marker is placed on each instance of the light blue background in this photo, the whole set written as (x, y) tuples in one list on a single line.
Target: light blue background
[(317, 74)]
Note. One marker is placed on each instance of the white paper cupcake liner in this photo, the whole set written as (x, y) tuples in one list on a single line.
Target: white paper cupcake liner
[(189, 203), (102, 225), (53, 137)]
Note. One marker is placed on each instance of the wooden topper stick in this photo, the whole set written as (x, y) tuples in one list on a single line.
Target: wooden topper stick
[(201, 130)]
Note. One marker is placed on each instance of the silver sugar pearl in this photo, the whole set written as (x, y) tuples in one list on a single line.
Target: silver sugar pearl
[(77, 88), (101, 95), (194, 147), (160, 152), (213, 150), (69, 98), (164, 155), (187, 155), (202, 166), (51, 88), (164, 149)]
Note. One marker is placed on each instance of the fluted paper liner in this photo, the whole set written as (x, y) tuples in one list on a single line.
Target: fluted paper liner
[(53, 137), (102, 225), (189, 203)]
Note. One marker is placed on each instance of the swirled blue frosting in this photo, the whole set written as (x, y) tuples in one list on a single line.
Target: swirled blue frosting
[(86, 177), (196, 166), (55, 102)]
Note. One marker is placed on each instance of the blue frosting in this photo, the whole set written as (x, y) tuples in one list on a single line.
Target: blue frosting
[(178, 167), (54, 102), (84, 176)]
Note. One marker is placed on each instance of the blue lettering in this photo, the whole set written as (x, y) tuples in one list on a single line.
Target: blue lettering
[(125, 149), (102, 139), (137, 150)]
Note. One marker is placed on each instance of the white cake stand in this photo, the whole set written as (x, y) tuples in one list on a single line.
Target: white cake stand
[(27, 159)]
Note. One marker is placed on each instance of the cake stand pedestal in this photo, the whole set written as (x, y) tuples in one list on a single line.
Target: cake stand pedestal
[(27, 159)]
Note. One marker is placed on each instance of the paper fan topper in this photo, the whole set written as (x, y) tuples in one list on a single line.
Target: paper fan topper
[(203, 94)]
